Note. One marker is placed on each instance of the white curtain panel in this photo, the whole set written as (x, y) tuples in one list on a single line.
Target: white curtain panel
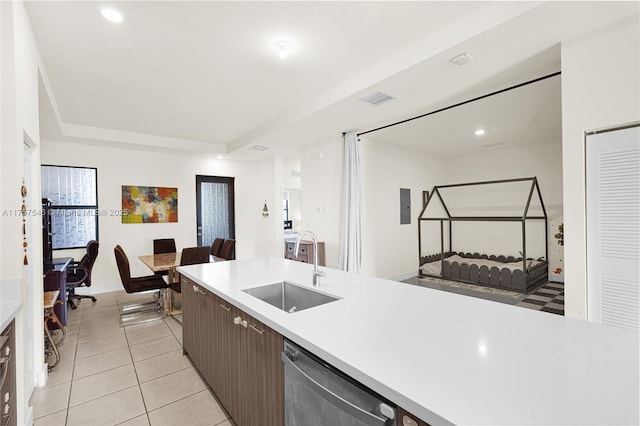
[(351, 238)]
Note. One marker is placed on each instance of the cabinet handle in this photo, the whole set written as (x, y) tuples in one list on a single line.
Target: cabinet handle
[(5, 364), (197, 290), (226, 308), (254, 328), (240, 321)]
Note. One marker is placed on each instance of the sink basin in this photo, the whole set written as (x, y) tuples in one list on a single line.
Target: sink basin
[(290, 297)]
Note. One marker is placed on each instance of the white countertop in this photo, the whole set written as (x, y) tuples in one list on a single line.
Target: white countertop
[(444, 357)]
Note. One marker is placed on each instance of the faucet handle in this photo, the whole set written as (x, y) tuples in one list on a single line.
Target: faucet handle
[(320, 273)]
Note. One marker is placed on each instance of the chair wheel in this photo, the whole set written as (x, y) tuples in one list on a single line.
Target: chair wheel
[(74, 307), (93, 299)]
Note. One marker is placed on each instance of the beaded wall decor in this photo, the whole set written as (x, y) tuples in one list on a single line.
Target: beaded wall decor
[(23, 192)]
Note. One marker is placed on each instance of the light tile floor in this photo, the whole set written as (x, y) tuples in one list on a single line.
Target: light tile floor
[(136, 375)]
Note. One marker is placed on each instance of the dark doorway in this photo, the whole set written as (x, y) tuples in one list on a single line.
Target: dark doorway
[(214, 209)]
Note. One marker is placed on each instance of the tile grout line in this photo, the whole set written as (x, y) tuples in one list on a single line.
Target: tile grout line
[(73, 370), (144, 403)]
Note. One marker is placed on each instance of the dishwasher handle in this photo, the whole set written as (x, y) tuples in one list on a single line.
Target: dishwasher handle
[(337, 400)]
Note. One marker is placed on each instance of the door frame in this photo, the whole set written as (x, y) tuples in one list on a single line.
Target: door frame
[(215, 179)]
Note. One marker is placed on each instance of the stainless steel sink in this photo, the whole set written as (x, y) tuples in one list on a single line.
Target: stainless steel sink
[(290, 297)]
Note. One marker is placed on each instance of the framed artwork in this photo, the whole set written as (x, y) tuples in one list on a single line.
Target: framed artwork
[(149, 204)]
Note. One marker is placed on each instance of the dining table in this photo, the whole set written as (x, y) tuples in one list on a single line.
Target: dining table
[(168, 262)]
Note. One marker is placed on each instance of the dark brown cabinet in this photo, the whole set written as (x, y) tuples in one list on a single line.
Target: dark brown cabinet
[(238, 356), (8, 376), (305, 253)]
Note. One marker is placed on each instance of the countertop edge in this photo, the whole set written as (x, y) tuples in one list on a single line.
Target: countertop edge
[(8, 312)]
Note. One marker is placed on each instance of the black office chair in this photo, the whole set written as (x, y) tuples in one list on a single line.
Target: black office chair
[(191, 256), (228, 250), (216, 246), (79, 274), (164, 245), (145, 283)]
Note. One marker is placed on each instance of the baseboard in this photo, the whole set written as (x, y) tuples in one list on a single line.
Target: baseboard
[(93, 291), (42, 376), (29, 416), (558, 278)]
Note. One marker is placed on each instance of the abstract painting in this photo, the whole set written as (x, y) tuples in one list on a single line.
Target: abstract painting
[(149, 204)]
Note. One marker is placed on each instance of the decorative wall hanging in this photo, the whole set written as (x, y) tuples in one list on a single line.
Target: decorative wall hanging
[(23, 192), (265, 210), (149, 204)]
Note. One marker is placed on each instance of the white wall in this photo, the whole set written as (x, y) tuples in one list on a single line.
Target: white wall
[(291, 173), (19, 72), (390, 250), (542, 160), (600, 88), (119, 166), (292, 184), (321, 196)]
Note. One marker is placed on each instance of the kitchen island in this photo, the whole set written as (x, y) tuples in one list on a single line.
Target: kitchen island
[(447, 358)]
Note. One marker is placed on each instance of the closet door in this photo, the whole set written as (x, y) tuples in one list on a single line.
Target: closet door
[(613, 227)]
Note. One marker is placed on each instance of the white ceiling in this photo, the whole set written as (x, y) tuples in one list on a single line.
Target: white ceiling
[(205, 76)]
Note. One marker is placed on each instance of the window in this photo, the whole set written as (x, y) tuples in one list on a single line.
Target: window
[(73, 192)]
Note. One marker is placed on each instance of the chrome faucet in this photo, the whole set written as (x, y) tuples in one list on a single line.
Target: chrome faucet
[(316, 273)]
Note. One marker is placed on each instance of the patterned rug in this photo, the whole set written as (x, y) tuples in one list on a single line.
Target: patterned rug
[(547, 298)]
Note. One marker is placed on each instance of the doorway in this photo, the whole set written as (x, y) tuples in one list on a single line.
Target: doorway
[(214, 208)]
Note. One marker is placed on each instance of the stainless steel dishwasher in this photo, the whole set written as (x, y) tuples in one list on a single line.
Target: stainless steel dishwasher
[(317, 394)]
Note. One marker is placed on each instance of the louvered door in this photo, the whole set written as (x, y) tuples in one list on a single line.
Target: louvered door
[(613, 227)]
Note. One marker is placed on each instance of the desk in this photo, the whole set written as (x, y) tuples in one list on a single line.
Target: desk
[(55, 278), (168, 262), (50, 300), (58, 264)]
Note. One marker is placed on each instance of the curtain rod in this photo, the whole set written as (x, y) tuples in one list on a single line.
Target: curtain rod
[(464, 102)]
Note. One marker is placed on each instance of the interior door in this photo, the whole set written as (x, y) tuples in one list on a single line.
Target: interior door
[(215, 208), (613, 227)]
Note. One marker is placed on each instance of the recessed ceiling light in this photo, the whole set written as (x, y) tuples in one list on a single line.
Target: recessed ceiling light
[(480, 132), (111, 15), (283, 48), (220, 157)]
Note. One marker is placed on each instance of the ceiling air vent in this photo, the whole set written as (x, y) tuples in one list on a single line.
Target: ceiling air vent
[(493, 144), (376, 98), (258, 148)]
